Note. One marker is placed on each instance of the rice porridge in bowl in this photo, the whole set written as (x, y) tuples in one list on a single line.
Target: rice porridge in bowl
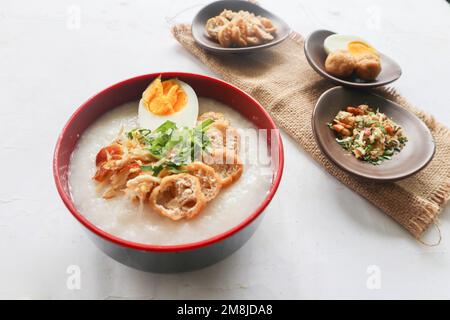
[(169, 172), (124, 202)]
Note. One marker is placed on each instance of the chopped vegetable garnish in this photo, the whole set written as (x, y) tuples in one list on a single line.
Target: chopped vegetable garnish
[(369, 135), (173, 146)]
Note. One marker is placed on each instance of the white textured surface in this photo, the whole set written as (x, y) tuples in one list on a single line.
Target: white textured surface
[(318, 238)]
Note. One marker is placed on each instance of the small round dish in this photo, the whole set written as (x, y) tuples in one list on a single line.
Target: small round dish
[(417, 153), (215, 8), (316, 56), (167, 258)]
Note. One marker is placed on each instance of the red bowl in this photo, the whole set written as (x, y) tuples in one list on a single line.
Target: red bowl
[(173, 258)]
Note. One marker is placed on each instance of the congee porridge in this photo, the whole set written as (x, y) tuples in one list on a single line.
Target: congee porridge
[(169, 169)]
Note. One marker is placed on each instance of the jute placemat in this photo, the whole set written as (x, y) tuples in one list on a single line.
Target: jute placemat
[(281, 79)]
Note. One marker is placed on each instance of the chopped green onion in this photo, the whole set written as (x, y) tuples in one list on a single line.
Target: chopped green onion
[(174, 147)]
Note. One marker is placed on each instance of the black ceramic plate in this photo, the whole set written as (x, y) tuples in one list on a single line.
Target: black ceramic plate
[(416, 154), (215, 8), (316, 56)]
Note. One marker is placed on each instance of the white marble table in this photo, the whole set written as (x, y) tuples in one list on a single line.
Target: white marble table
[(319, 239)]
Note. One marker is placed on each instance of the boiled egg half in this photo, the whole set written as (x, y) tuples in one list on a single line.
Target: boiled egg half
[(172, 100), (354, 45)]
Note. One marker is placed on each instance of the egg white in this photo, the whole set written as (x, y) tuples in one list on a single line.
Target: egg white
[(186, 117), (339, 42)]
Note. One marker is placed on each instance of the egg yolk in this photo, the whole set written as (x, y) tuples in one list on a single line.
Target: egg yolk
[(357, 48), (164, 97)]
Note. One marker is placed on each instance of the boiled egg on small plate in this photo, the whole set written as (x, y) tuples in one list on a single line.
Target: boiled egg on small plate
[(316, 55), (172, 100)]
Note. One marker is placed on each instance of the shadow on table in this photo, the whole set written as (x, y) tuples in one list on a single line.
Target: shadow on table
[(219, 281)]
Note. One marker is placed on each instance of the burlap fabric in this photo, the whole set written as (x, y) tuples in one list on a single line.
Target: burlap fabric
[(281, 79)]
